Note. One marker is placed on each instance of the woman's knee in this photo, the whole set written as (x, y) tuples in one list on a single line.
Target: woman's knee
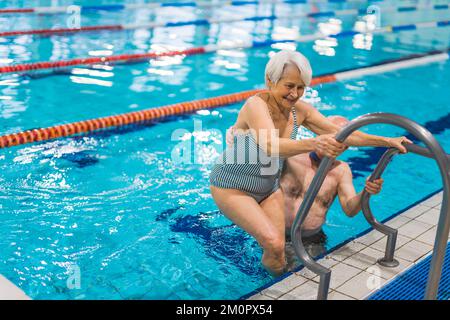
[(273, 243)]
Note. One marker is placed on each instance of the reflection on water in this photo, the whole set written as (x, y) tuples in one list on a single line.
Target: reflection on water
[(363, 40), (326, 46), (165, 78)]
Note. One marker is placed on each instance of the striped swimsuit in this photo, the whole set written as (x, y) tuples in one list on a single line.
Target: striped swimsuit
[(246, 167)]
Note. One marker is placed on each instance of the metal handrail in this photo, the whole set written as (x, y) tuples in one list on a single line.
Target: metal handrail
[(434, 150), (391, 233), (388, 259)]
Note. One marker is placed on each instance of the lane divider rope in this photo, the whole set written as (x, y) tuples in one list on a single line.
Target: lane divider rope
[(196, 4), (87, 126), (152, 25), (96, 60), (153, 114), (209, 48)]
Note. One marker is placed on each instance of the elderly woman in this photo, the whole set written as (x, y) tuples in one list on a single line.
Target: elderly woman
[(247, 192)]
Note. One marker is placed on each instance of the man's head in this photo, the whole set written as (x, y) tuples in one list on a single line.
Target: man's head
[(339, 121)]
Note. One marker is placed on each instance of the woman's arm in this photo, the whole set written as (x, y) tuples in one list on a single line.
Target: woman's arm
[(319, 124), (267, 136)]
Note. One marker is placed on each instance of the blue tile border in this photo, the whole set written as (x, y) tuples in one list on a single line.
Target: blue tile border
[(411, 284)]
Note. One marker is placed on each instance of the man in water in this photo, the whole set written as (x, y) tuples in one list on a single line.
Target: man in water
[(295, 180)]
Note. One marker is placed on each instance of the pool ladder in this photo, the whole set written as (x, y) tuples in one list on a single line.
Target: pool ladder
[(433, 150)]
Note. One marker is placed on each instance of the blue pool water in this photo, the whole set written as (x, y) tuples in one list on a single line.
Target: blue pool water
[(118, 208)]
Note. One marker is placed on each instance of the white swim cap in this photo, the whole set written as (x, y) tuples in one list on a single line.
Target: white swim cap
[(276, 65)]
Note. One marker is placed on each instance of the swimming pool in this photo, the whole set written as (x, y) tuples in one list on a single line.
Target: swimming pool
[(116, 206)]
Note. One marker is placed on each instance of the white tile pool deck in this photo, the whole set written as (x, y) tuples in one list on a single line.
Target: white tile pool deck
[(354, 272), (352, 265), (8, 291)]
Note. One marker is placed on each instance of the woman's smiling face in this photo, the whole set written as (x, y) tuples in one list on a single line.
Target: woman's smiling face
[(289, 88)]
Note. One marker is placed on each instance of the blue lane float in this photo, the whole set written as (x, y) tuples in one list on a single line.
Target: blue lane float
[(193, 4)]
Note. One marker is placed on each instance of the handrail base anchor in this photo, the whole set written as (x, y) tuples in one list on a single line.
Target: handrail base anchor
[(388, 262)]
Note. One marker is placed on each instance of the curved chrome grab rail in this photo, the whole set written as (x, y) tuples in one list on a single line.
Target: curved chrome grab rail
[(388, 260), (434, 150), (391, 233)]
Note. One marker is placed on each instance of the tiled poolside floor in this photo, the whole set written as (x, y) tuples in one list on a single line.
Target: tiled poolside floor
[(354, 271), (8, 291)]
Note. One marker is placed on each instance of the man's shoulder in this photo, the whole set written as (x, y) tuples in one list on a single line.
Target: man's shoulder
[(343, 168), (342, 165), (299, 159)]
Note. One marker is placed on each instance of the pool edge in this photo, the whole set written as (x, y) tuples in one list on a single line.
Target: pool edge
[(293, 281)]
